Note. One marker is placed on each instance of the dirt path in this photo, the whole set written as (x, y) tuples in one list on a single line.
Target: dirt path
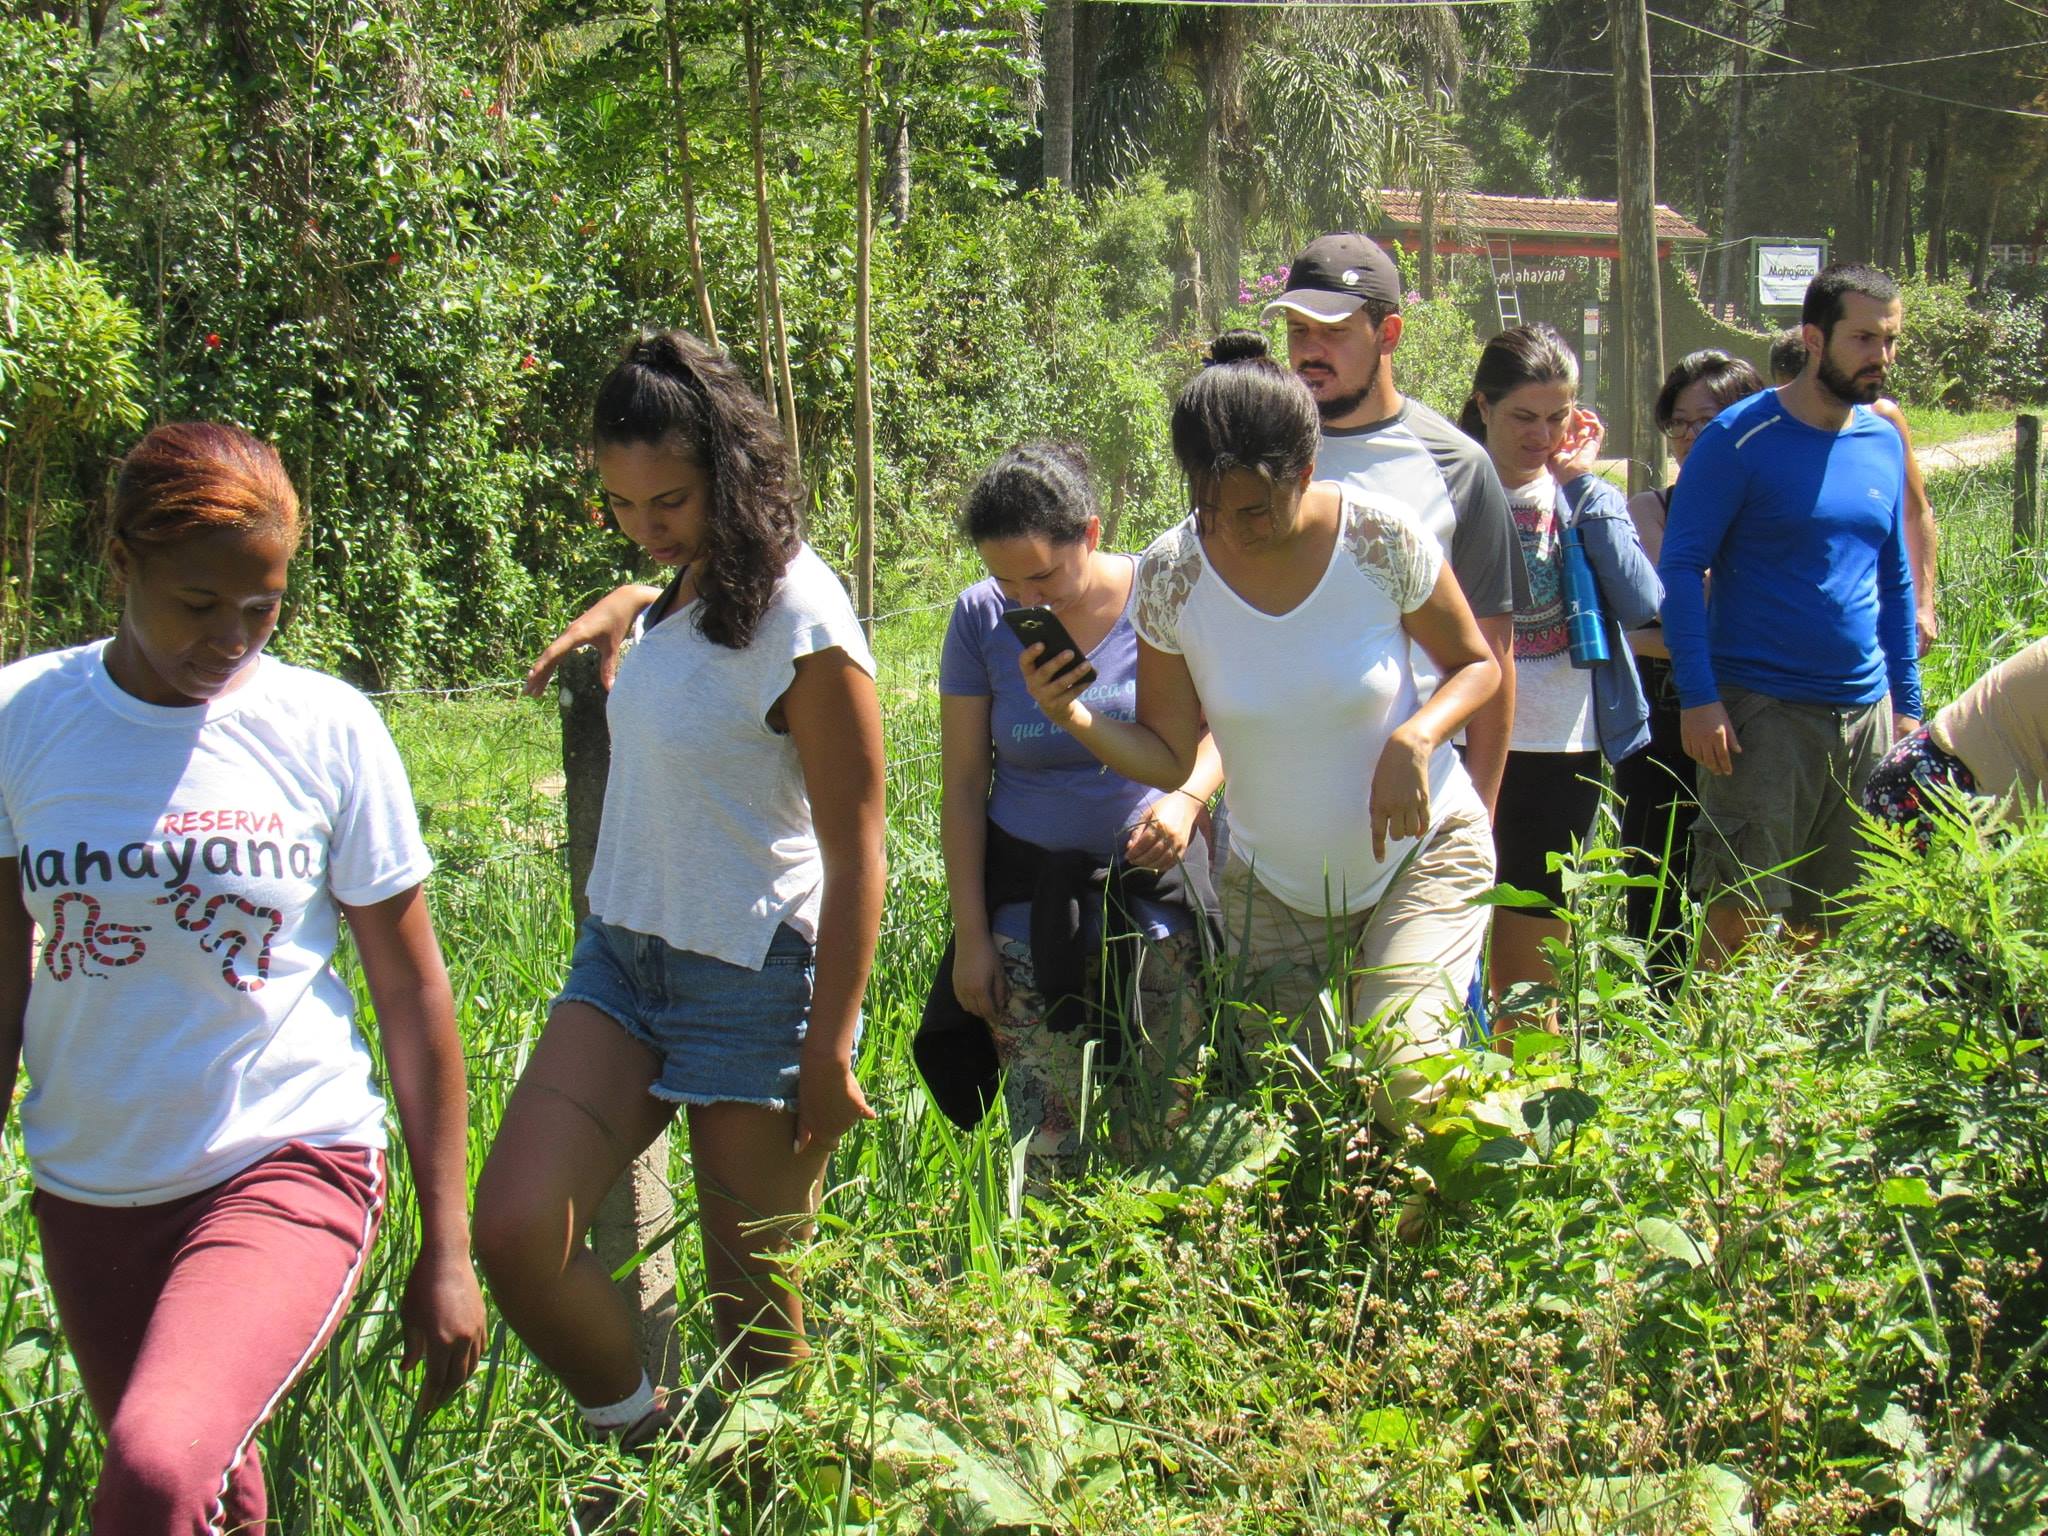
[(1965, 452)]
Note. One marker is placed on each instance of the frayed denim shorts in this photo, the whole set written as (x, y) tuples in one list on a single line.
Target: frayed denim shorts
[(724, 1034)]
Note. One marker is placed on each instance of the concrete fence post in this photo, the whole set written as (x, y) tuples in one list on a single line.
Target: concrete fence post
[(641, 1205)]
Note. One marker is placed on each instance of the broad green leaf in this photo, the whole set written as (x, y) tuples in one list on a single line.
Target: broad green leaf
[(1662, 1235)]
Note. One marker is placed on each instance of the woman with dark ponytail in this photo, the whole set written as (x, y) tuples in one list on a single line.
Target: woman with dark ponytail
[(1281, 614), (1569, 710), (1077, 896), (734, 900)]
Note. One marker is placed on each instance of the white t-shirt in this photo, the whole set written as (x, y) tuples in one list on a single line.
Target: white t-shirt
[(1553, 699), (183, 866), (1301, 703), (707, 840)]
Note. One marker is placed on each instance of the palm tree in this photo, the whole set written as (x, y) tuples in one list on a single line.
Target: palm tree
[(1295, 116)]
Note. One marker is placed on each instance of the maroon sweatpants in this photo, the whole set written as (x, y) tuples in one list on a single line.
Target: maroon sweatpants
[(191, 1319)]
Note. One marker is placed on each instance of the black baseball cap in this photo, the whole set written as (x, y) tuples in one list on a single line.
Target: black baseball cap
[(1334, 275)]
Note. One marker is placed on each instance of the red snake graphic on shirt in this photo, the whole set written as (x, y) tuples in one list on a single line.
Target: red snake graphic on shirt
[(66, 954), (229, 941)]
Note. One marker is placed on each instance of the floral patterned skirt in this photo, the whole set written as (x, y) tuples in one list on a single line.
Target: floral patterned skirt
[(1142, 1090)]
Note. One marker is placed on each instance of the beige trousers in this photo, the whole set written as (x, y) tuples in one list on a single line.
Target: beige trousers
[(1396, 975)]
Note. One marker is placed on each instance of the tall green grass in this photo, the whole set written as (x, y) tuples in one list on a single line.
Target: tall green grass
[(1752, 1257)]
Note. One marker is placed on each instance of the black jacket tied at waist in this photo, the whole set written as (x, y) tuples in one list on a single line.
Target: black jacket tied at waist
[(954, 1050)]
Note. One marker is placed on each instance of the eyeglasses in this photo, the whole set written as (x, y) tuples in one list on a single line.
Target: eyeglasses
[(1680, 428)]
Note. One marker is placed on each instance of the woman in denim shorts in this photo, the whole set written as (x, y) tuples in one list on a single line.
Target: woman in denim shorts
[(734, 900)]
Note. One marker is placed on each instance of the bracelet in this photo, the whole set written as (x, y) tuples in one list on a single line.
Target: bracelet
[(1204, 804)]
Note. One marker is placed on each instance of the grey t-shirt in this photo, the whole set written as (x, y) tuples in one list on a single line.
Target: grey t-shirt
[(1422, 461)]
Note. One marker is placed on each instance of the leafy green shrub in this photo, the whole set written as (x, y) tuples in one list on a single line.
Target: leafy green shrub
[(1970, 350), (1439, 351), (68, 383), (1945, 348)]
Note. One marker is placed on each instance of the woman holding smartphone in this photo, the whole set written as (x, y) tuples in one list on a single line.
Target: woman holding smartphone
[(1043, 848)]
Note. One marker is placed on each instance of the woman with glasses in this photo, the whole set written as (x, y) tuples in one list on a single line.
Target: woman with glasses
[(1656, 785), (1282, 614)]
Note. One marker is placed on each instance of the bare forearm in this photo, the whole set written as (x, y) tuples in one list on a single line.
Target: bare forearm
[(963, 840), (1486, 740), (1208, 775), (431, 1089), (1136, 751), (849, 923), (1923, 543)]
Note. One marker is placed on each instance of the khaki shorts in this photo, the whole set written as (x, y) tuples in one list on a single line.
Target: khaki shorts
[(1781, 833), (1408, 963)]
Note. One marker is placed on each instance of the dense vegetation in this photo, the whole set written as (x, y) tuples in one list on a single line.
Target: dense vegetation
[(403, 240), (1760, 1256)]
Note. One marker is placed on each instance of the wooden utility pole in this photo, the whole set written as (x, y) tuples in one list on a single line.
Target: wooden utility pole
[(863, 387), (1641, 373), (640, 1207), (707, 326)]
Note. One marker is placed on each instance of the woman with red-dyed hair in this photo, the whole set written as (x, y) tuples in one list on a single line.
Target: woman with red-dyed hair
[(184, 822)]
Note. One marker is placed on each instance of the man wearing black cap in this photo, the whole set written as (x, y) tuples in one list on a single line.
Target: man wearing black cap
[(1343, 312)]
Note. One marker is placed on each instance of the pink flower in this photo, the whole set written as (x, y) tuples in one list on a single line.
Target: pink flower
[(529, 361), (494, 110)]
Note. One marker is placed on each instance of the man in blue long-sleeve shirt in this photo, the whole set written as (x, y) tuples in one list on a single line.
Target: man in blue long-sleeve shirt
[(1796, 664)]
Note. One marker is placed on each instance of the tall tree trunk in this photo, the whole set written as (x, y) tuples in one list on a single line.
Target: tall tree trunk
[(1642, 374), (1059, 92), (863, 387), (1898, 193), (1223, 38), (31, 517), (686, 175), (774, 338), (1938, 159), (1426, 269), (1980, 269), (1730, 275), (898, 170)]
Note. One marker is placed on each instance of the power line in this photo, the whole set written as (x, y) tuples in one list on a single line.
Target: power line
[(1879, 85), (1785, 74)]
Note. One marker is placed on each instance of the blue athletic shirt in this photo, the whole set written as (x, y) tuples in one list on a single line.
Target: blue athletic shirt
[(1804, 531)]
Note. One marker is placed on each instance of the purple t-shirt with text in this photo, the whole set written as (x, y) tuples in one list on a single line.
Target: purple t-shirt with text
[(1048, 789)]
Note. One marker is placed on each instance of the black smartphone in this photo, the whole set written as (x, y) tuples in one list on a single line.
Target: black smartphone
[(1041, 626)]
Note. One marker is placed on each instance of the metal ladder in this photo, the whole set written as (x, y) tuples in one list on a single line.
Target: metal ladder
[(1507, 298)]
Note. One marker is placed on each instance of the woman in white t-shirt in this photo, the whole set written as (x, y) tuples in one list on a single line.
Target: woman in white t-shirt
[(184, 824), (1524, 408), (1282, 612), (735, 897)]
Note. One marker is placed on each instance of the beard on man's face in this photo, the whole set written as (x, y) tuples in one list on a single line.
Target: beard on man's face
[(1851, 389), (1333, 407)]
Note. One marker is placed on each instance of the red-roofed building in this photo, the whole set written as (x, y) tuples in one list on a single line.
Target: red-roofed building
[(1547, 226)]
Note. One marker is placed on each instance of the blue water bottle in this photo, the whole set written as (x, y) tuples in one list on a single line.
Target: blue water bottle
[(1585, 625)]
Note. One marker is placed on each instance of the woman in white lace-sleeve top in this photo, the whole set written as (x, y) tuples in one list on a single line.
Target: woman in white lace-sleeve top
[(1281, 614)]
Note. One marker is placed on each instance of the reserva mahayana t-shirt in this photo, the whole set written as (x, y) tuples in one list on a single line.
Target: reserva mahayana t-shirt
[(183, 866)]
